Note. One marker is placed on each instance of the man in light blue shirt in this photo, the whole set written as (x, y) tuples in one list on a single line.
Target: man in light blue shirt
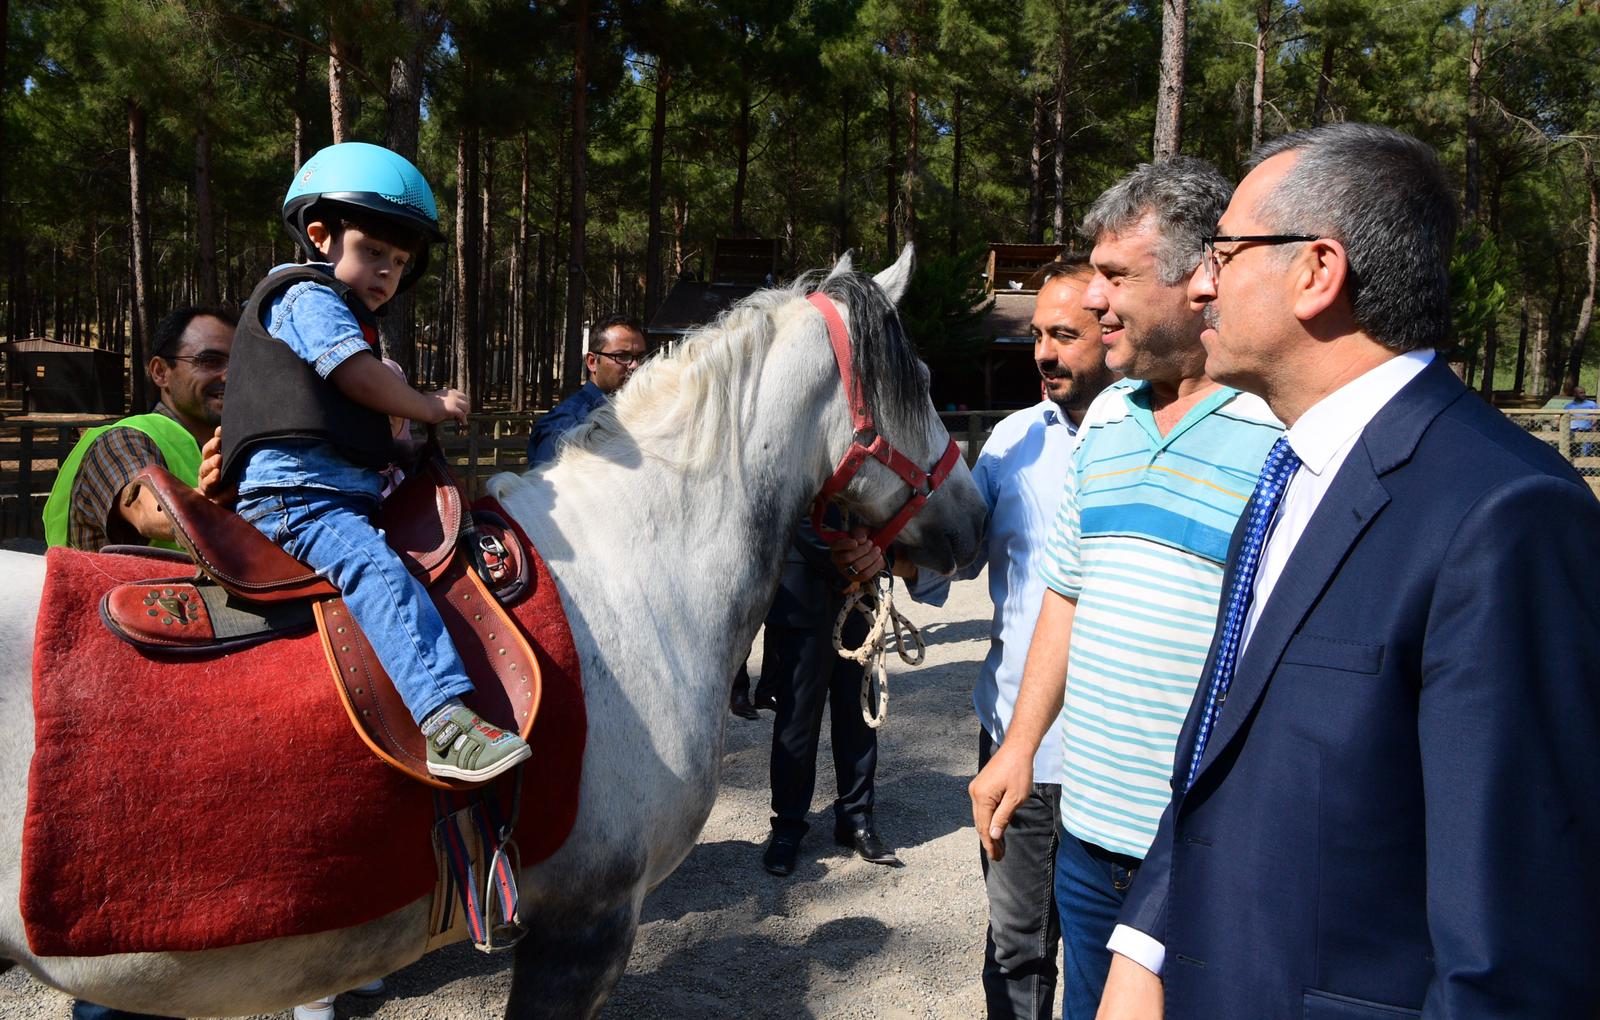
[(1020, 473), (1132, 564), (1581, 401)]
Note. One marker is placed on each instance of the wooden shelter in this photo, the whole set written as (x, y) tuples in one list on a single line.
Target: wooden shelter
[(61, 378), (1010, 378), (740, 266)]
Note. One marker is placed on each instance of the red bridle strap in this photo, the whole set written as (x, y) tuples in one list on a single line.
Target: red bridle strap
[(867, 442)]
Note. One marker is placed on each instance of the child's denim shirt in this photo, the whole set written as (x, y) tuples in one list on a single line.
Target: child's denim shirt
[(317, 326)]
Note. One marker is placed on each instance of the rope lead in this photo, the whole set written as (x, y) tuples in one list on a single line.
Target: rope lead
[(873, 653)]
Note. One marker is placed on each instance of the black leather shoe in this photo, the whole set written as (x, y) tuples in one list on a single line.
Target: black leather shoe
[(865, 842), (782, 849), (765, 698), (739, 704)]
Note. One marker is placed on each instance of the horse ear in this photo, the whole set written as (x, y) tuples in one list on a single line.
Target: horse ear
[(894, 279), (841, 267)]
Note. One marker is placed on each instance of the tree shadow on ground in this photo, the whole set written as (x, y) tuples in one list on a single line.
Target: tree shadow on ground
[(746, 975)]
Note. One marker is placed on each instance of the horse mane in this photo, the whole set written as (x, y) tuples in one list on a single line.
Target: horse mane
[(689, 406)]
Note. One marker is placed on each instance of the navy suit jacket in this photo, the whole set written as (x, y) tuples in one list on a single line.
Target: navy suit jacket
[(1399, 809)]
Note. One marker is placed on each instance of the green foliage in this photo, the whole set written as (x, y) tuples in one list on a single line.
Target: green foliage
[(827, 84), (1477, 295), (943, 310)]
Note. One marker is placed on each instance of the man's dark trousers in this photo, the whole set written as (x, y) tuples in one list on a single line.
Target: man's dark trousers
[(1019, 955), (802, 668)]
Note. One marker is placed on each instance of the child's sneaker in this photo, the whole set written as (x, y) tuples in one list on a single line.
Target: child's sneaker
[(462, 746)]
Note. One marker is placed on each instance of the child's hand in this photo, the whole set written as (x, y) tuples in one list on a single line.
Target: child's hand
[(211, 472), (448, 404)]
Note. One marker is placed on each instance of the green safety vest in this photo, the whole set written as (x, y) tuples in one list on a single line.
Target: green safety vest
[(177, 447)]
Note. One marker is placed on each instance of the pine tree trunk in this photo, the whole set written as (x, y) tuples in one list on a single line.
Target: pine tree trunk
[(1580, 331), (891, 174), (1170, 92), (1036, 173), (1522, 345), (741, 146), (5, 221), (139, 245), (1058, 211), (489, 340), (573, 355), (404, 101), (403, 105), (680, 224), (341, 92), (540, 373), (466, 332), (913, 167), (205, 216), (1473, 186), (791, 193), (300, 61), (955, 173), (1553, 359), (658, 144), (522, 332), (841, 220), (549, 354), (1258, 95), (1319, 109)]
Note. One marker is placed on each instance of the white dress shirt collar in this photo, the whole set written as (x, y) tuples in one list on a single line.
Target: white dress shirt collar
[(1338, 418), (1332, 423)]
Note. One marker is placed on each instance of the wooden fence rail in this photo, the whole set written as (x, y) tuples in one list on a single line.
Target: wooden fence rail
[(32, 447)]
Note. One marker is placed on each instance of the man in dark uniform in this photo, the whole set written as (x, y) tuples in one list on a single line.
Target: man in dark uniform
[(801, 669)]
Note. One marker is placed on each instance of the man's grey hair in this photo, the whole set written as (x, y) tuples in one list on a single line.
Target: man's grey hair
[(1185, 195), (1383, 195)]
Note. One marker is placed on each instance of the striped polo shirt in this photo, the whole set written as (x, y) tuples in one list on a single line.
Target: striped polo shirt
[(1139, 541)]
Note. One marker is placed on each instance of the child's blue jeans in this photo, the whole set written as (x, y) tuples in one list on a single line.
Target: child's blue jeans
[(333, 533)]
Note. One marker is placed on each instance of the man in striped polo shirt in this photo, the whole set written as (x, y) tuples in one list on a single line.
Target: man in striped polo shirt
[(1132, 564)]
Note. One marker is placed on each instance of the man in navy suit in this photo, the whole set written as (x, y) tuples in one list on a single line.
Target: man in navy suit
[(1386, 800)]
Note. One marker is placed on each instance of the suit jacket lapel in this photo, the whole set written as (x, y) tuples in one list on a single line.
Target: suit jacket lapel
[(1355, 498)]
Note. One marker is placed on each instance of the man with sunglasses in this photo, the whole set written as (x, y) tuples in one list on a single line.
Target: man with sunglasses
[(88, 507), (616, 348)]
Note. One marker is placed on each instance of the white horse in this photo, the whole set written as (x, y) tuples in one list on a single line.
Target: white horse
[(664, 523)]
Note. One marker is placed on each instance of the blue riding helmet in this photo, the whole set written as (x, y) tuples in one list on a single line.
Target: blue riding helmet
[(371, 179)]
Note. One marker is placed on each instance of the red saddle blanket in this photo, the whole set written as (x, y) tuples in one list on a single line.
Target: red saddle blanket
[(192, 804)]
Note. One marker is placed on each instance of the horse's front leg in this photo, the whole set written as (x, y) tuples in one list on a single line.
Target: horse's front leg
[(567, 965)]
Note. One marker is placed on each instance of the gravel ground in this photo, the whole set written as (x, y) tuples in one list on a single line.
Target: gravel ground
[(841, 938)]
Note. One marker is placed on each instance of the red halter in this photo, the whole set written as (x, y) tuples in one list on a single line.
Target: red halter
[(867, 442)]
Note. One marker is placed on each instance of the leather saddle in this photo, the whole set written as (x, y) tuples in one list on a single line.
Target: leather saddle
[(248, 590)]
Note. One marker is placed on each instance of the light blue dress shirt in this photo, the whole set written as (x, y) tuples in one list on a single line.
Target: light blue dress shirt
[(1020, 472)]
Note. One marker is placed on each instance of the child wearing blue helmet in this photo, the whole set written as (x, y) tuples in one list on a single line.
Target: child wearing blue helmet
[(306, 428)]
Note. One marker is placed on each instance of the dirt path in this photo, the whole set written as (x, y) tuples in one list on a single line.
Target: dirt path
[(721, 938)]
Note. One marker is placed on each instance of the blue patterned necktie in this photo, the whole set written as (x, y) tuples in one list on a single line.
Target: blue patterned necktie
[(1275, 474)]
